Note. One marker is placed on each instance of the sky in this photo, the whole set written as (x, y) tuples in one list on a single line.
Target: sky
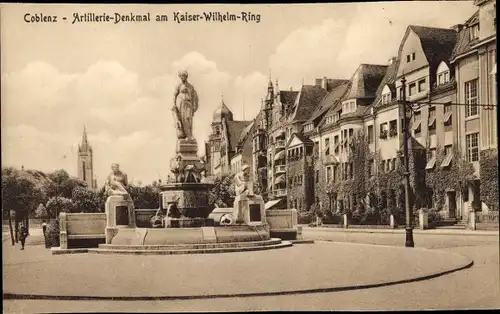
[(118, 79)]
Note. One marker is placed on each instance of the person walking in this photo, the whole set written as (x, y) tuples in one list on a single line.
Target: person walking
[(23, 234), (44, 229)]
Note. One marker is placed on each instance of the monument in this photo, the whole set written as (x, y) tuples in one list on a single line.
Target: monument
[(181, 223)]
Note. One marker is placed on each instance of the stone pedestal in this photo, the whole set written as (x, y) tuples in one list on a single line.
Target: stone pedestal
[(345, 221), (472, 219), (119, 214), (191, 198), (423, 216), (187, 153), (249, 210), (391, 222)]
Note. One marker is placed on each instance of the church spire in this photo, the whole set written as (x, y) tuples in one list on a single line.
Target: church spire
[(84, 136)]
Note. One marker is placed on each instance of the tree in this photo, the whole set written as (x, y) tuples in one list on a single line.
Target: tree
[(222, 192), (61, 184), (87, 201), (41, 211), (20, 195), (144, 196), (55, 205)]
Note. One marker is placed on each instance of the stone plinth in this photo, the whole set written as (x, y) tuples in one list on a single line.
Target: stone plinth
[(249, 210), (187, 154), (191, 198), (119, 214), (423, 217), (188, 222)]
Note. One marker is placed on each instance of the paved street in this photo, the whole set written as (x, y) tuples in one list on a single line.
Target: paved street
[(445, 292)]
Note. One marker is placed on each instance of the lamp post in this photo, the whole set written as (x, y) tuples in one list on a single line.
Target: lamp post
[(409, 228)]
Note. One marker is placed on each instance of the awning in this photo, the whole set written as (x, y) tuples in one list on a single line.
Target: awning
[(416, 124), (270, 204), (446, 162), (447, 117), (279, 155), (430, 164), (494, 71), (431, 121), (279, 179)]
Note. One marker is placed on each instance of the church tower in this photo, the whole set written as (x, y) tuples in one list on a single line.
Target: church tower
[(217, 157), (85, 162)]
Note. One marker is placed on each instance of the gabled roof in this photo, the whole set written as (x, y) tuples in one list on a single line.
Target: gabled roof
[(306, 102), (301, 138), (288, 96), (246, 132), (389, 79), (330, 99), (234, 130), (365, 81), (437, 43), (464, 42)]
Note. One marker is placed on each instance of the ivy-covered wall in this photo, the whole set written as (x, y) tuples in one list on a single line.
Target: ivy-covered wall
[(488, 167)]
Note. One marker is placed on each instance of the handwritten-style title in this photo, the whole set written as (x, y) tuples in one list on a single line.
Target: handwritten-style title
[(115, 18)]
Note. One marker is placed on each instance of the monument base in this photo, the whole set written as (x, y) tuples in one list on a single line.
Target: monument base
[(249, 210), (119, 214), (188, 222)]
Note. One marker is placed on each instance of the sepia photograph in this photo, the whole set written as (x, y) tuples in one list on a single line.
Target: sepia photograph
[(249, 157)]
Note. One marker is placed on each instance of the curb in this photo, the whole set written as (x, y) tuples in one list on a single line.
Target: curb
[(15, 296), (402, 231)]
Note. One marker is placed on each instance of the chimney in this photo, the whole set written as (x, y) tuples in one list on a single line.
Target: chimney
[(324, 83), (457, 28), (319, 82), (392, 60)]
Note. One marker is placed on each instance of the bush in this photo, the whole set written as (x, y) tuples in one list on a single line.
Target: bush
[(52, 234), (434, 215)]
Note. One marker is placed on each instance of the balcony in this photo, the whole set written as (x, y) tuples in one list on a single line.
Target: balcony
[(280, 144), (279, 193), (280, 169)]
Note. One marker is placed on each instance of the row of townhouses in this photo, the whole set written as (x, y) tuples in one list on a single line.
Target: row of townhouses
[(301, 145)]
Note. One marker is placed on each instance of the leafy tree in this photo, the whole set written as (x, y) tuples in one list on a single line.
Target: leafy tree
[(55, 205), (41, 211), (144, 196), (19, 194), (87, 201), (61, 184), (222, 192)]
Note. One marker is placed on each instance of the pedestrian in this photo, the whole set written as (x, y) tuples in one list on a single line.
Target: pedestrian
[(23, 234), (44, 229)]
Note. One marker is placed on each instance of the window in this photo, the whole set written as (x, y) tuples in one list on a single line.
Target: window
[(432, 119), (351, 132), (471, 98), (413, 89), (474, 32), (383, 131), (370, 168), (329, 120), (412, 56), (309, 127), (472, 143), (431, 159), (422, 86), (370, 134), (386, 98), (328, 174), (336, 144), (393, 128), (417, 122), (448, 156), (447, 117), (393, 164), (327, 146), (317, 176), (408, 58), (382, 166)]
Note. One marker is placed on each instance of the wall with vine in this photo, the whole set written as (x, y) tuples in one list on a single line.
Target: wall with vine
[(488, 165)]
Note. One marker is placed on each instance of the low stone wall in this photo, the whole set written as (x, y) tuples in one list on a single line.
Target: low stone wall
[(282, 223), (490, 217), (81, 229)]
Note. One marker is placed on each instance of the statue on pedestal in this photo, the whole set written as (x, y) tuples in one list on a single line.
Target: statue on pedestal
[(185, 105), (116, 182)]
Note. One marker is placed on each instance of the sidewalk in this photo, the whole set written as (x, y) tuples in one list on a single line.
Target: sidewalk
[(402, 231)]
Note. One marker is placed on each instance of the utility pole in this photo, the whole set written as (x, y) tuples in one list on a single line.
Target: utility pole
[(409, 216)]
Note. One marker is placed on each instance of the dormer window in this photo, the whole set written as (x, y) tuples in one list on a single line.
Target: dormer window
[(309, 127), (443, 74), (349, 106), (474, 31), (330, 119)]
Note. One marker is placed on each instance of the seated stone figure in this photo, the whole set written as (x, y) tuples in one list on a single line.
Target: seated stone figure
[(243, 184), (116, 182)]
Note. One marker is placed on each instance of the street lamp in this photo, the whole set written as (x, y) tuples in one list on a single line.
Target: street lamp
[(409, 216)]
